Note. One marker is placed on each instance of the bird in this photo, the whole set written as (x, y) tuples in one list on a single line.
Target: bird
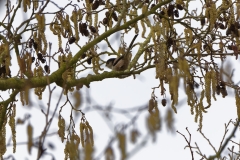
[(121, 63)]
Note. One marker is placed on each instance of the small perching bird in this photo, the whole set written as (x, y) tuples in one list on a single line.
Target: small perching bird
[(121, 63)]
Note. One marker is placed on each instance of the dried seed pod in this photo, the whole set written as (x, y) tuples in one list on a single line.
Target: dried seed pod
[(92, 29), (180, 7), (95, 5), (71, 40), (170, 10), (107, 14), (43, 60), (89, 60), (39, 55), (114, 16), (164, 102), (86, 33), (176, 13), (47, 69), (84, 26), (105, 21), (83, 29), (223, 92)]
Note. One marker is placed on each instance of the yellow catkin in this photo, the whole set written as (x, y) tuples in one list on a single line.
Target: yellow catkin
[(53, 29), (72, 148), (208, 87), (90, 133), (109, 154), (200, 117), (13, 126), (30, 137), (237, 99), (22, 98), (68, 25), (80, 16), (75, 22), (214, 83), (213, 15), (170, 120), (150, 105), (173, 86), (199, 109), (122, 144), (144, 28), (238, 10), (43, 24), (24, 5), (59, 40), (88, 6), (169, 74), (82, 137), (96, 21), (3, 148), (66, 151), (61, 127), (157, 117), (190, 98), (157, 29), (184, 67), (118, 3), (88, 149), (107, 4), (35, 5), (26, 94), (39, 19)]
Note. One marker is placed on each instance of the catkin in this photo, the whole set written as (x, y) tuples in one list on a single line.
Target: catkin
[(208, 87), (30, 137), (237, 99)]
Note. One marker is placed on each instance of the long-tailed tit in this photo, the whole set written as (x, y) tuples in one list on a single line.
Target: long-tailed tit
[(121, 63)]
